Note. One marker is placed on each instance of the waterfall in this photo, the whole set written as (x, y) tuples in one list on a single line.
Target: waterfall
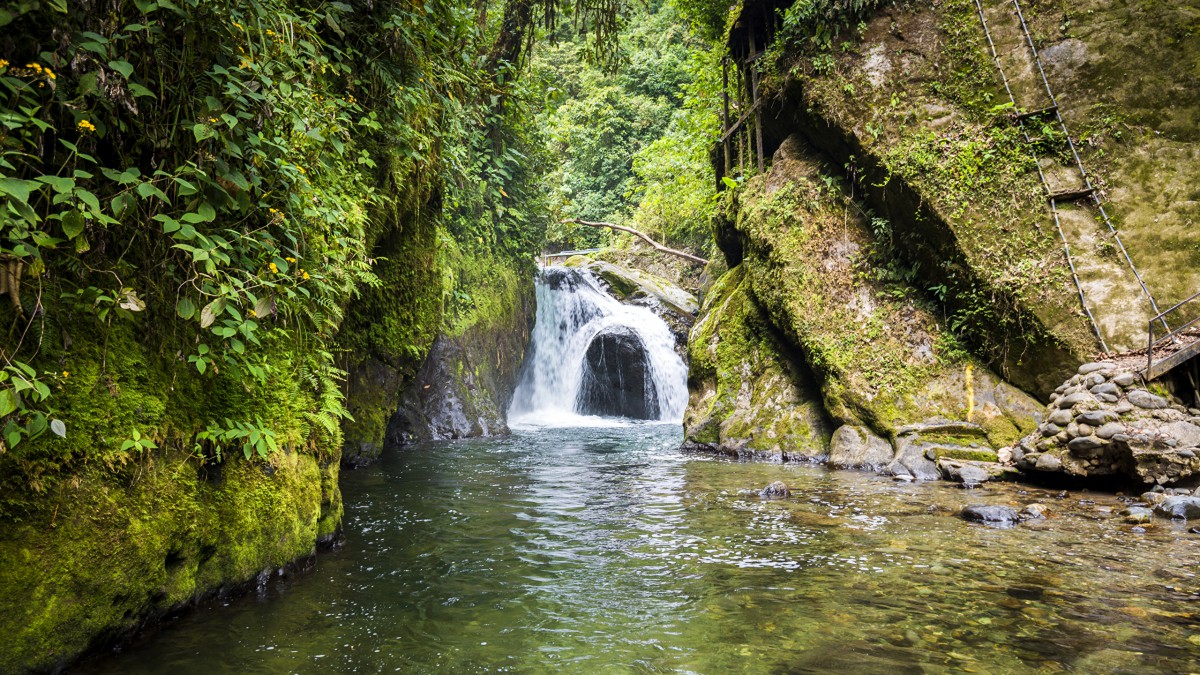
[(591, 354)]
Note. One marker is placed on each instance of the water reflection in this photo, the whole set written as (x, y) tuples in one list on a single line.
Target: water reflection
[(605, 550)]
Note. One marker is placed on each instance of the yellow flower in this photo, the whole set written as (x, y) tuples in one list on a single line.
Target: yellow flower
[(274, 268), (212, 120), (252, 314), (86, 126), (3, 63), (301, 169), (304, 274), (291, 260), (238, 26), (66, 374)]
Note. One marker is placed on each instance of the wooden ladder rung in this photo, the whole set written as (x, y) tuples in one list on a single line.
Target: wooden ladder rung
[(1071, 195), (1021, 117)]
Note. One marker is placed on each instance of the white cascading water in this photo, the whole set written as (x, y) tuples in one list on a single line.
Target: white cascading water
[(571, 311)]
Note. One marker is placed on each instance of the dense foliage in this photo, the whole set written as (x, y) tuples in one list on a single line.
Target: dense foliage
[(210, 179), (630, 143)]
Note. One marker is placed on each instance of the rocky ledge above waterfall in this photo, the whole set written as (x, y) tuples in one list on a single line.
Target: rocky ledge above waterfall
[(674, 305)]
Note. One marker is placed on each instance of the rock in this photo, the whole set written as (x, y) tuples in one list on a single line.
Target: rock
[(1177, 506), (1123, 407), (1033, 512), (1137, 515), (1061, 417), (776, 490), (1093, 367), (1050, 429), (1124, 379), (1072, 399), (1048, 463), (616, 377), (1096, 418), (968, 475), (1094, 380), (1108, 398), (1107, 431), (1072, 430), (1085, 429), (854, 447), (1085, 443), (996, 516), (1144, 399)]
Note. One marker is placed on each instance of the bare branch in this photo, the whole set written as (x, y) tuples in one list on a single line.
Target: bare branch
[(657, 246)]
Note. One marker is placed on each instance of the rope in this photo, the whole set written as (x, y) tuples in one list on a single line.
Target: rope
[(1042, 176)]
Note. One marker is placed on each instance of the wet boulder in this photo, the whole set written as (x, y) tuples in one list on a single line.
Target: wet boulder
[(1177, 506), (776, 490), (617, 379), (997, 516)]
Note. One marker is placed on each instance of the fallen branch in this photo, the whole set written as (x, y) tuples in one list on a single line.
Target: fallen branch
[(657, 246)]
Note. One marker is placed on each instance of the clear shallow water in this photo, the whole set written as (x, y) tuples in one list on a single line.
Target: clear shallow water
[(605, 550)]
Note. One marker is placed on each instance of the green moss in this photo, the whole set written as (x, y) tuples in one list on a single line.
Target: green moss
[(156, 534), (961, 453), (748, 393)]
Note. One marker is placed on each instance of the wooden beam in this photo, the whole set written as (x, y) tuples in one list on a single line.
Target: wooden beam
[(657, 246)]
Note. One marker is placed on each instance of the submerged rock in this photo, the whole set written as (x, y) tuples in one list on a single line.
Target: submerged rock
[(776, 490)]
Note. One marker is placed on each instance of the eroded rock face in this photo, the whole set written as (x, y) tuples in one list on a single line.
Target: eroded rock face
[(749, 393), (1104, 421), (617, 380)]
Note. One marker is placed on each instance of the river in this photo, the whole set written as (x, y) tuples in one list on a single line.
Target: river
[(604, 549)]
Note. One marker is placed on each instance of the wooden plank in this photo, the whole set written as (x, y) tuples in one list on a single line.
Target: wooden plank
[(1165, 365), (1071, 195), (1036, 113)]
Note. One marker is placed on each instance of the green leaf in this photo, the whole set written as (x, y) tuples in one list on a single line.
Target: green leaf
[(186, 309), (139, 91), (90, 199), (18, 189), (59, 183), (73, 224), (203, 132), (13, 437), (8, 402), (59, 428), (201, 365), (123, 67)]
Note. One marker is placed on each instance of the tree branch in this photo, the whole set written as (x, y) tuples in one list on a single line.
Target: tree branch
[(657, 246)]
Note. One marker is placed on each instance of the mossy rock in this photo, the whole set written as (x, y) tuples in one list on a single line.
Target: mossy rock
[(883, 357), (960, 453), (750, 396)]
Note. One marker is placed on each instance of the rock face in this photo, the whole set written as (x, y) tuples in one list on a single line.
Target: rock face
[(1113, 425), (749, 393), (796, 333), (460, 387), (617, 380)]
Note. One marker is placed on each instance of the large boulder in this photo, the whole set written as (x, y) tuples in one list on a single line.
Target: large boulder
[(855, 447), (617, 377), (750, 394)]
